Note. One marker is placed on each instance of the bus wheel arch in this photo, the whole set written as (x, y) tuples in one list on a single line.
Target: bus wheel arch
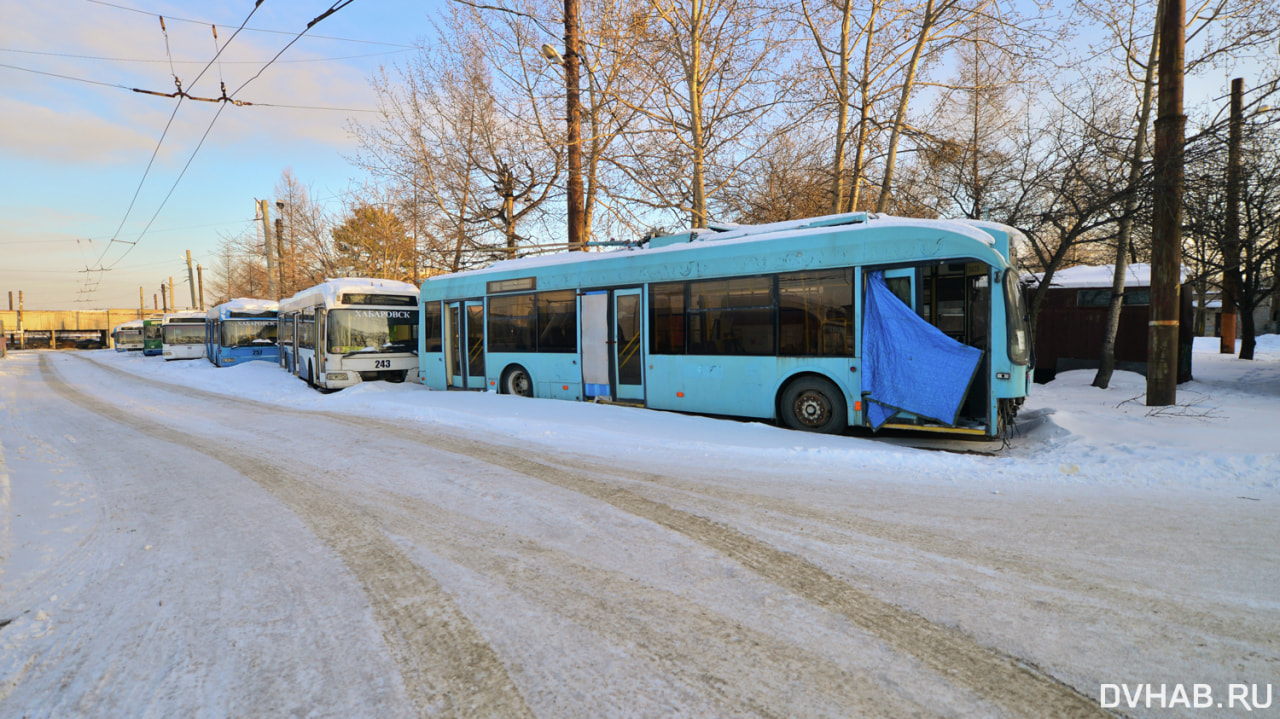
[(813, 403), (516, 381)]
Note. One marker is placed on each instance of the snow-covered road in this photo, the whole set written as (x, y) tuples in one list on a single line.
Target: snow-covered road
[(173, 551)]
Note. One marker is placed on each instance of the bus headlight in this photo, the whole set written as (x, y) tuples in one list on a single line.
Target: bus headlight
[(335, 376)]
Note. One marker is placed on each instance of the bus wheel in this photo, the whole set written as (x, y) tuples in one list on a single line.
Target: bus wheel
[(814, 404), (311, 381), (516, 381)]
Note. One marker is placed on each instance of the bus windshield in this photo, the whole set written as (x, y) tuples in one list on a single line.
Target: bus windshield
[(184, 334), (370, 331), (151, 332), (248, 333)]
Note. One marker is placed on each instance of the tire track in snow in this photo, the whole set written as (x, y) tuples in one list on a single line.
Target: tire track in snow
[(1018, 686), (447, 666)]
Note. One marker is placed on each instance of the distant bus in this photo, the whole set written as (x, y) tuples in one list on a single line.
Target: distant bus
[(768, 322), (151, 335), (128, 336), (183, 335), (241, 330), (350, 330)]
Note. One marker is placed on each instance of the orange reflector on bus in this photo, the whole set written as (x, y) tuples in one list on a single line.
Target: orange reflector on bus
[(566, 387), (679, 394), (857, 406)]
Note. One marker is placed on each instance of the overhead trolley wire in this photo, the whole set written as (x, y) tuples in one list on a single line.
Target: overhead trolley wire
[(340, 4)]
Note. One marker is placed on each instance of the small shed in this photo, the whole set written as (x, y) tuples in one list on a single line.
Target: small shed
[(1073, 318)]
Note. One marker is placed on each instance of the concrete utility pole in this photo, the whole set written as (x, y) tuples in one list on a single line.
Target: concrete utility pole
[(272, 292), (142, 303), (10, 300), (173, 299), (200, 278), (577, 213), (191, 281), (164, 299), (1166, 227), (1231, 279)]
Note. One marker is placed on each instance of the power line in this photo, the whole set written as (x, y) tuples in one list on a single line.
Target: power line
[(340, 4), (254, 29), (64, 77), (197, 62)]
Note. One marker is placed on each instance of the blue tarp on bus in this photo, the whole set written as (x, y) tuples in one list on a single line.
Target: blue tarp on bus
[(909, 364)]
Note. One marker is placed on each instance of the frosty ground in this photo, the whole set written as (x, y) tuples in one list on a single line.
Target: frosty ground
[(181, 540)]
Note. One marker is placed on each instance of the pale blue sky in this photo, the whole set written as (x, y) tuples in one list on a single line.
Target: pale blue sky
[(73, 153)]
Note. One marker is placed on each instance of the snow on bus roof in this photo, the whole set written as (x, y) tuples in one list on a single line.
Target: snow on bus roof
[(331, 290), (1137, 274), (733, 233), (244, 304)]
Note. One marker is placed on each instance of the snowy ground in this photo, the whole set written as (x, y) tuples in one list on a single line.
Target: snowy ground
[(181, 540)]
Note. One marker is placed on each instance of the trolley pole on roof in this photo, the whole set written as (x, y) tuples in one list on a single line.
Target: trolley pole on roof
[(1166, 229)]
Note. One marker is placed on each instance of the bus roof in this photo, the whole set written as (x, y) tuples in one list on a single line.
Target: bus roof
[(330, 292), (242, 304), (127, 325), (185, 315), (855, 238)]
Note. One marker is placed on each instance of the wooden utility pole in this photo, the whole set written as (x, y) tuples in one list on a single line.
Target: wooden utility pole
[(142, 303), (1166, 229), (191, 281), (173, 299), (280, 251), (577, 219), (272, 292), (200, 278), (1231, 279), (164, 300)]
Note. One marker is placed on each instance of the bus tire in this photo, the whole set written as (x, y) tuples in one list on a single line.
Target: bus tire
[(311, 380), (516, 381), (814, 404)]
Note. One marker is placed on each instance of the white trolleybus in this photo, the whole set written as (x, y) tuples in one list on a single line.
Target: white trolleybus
[(128, 336), (182, 335), (818, 324), (350, 330), (241, 330)]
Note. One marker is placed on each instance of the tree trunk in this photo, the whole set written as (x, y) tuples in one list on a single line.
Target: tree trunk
[(698, 213), (1107, 363), (907, 85), (842, 111)]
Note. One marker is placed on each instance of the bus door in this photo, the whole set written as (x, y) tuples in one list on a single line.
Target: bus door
[(612, 358), (321, 344), (627, 355), (464, 344)]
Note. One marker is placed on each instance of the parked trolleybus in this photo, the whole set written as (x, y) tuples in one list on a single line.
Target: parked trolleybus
[(818, 324), (350, 330), (241, 330), (183, 335), (151, 335), (128, 336)]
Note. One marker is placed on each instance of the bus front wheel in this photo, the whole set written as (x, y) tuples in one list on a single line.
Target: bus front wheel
[(516, 381), (814, 405)]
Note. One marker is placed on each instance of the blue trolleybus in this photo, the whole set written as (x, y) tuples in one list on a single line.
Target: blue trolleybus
[(818, 324), (350, 330), (241, 330)]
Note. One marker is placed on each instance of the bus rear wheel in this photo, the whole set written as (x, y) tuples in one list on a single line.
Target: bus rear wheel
[(814, 404), (516, 381)]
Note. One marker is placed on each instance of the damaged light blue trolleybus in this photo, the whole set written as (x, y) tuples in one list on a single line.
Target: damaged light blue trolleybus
[(818, 324)]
